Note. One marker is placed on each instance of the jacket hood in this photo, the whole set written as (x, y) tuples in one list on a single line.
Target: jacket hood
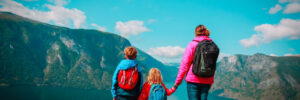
[(126, 64), (201, 38)]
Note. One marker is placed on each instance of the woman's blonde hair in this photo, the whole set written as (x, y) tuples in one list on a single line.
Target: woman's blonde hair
[(154, 76), (201, 30)]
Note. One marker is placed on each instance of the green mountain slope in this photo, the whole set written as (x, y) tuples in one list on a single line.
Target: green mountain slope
[(258, 77), (39, 54)]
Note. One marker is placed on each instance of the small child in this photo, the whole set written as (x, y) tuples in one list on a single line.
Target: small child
[(127, 78), (154, 87)]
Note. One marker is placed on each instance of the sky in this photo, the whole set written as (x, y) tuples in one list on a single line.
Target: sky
[(163, 28)]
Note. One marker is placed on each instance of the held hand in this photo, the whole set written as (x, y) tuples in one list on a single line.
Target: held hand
[(172, 90), (175, 86)]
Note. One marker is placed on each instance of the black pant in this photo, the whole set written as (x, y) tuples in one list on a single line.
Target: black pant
[(122, 97)]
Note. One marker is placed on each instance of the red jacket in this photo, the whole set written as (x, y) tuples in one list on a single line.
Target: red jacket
[(146, 89)]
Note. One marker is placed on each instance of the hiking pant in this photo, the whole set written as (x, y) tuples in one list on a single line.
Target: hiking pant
[(197, 91), (121, 97)]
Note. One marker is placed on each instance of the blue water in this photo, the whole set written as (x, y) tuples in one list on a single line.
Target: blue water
[(51, 93), (58, 93)]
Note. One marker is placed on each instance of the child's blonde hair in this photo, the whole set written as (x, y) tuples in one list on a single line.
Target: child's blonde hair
[(130, 52), (154, 76)]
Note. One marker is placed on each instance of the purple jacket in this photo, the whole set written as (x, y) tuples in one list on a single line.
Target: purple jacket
[(186, 64)]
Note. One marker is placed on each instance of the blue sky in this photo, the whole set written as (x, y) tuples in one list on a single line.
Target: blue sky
[(164, 28)]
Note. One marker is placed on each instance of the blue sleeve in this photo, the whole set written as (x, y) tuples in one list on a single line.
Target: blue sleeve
[(142, 81), (115, 82)]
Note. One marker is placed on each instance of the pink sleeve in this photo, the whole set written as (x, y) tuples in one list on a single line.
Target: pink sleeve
[(185, 63)]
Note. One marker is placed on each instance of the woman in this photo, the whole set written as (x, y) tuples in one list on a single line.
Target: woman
[(197, 87)]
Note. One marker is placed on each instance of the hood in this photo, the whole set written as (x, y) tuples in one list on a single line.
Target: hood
[(201, 38), (126, 64)]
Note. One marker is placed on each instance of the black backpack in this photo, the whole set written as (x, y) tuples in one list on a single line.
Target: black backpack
[(205, 58)]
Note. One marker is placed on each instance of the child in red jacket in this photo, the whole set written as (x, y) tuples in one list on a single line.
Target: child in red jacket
[(154, 77)]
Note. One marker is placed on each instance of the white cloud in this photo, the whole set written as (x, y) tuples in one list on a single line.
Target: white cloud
[(62, 15), (275, 9), (60, 2), (167, 52), (58, 14), (287, 28), (133, 27), (254, 40), (274, 55), (292, 8), (100, 28)]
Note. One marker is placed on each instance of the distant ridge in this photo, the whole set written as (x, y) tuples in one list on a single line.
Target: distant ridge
[(258, 76)]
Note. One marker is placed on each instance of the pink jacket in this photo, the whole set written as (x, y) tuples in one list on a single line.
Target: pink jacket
[(186, 65)]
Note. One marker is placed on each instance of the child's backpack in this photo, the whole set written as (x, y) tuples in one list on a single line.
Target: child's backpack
[(205, 59), (128, 78), (157, 92)]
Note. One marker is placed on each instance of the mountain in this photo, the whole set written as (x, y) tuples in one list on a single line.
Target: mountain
[(258, 76), (43, 61), (39, 54)]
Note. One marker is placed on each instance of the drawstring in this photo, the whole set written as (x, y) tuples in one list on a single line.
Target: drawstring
[(123, 79), (130, 80)]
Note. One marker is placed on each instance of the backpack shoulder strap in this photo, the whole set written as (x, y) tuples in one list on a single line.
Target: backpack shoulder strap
[(130, 79), (203, 40), (196, 40)]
